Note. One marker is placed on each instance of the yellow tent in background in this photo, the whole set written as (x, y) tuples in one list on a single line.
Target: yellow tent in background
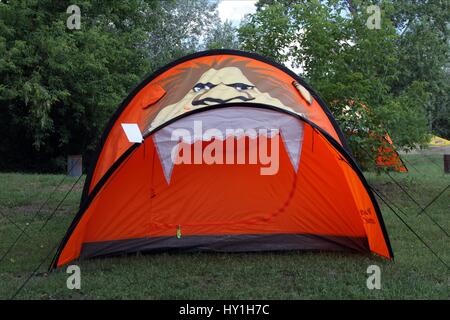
[(439, 142)]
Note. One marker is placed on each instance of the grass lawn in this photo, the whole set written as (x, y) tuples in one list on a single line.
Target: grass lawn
[(415, 273)]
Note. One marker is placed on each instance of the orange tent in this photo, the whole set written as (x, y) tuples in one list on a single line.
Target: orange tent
[(223, 151), (388, 157), (386, 154)]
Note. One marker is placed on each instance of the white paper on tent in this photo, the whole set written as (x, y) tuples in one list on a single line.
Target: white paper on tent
[(132, 132)]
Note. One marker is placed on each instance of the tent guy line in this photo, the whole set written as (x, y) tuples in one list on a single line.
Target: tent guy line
[(414, 201), (412, 231), (434, 199), (39, 210), (423, 209)]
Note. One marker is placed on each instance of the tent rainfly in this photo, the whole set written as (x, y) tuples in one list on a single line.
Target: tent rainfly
[(386, 156), (223, 151)]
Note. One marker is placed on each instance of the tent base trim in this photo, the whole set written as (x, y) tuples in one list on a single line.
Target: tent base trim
[(226, 243)]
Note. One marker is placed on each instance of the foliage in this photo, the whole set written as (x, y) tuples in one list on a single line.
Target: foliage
[(346, 61), (224, 36), (59, 86), (180, 28)]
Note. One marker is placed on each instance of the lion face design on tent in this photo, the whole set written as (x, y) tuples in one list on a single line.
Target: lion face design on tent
[(224, 81), (224, 85)]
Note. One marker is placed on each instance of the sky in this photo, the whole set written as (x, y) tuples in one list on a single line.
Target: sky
[(235, 10)]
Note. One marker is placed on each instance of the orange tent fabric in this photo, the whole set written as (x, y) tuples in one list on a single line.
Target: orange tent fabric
[(268, 169), (388, 157)]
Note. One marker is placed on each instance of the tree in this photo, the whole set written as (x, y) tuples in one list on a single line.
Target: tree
[(59, 86), (424, 54), (181, 27), (348, 62), (224, 36)]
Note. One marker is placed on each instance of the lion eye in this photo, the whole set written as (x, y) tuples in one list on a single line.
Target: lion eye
[(241, 86), (203, 86)]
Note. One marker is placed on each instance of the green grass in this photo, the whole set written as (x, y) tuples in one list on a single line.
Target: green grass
[(415, 273)]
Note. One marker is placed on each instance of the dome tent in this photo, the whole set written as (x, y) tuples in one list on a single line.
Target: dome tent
[(264, 166), (386, 156)]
